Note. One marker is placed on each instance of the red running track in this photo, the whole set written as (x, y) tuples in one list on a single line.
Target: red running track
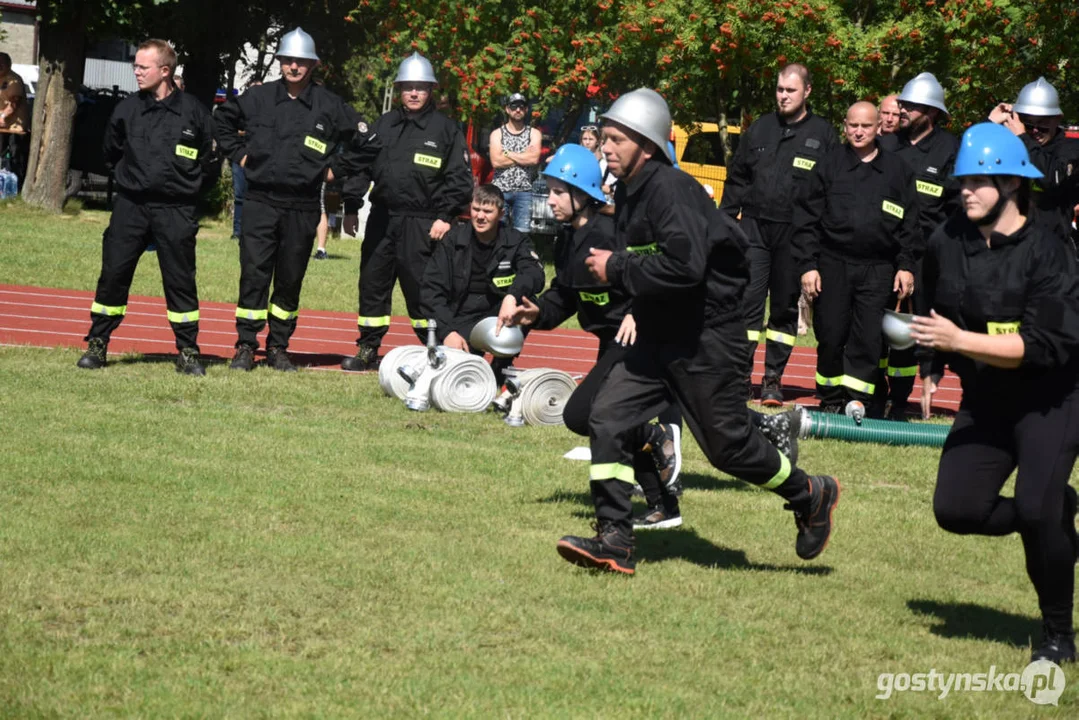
[(50, 317)]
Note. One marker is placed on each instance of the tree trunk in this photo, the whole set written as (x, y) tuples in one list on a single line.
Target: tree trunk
[(61, 62)]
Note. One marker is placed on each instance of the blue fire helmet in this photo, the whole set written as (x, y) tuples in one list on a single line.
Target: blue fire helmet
[(991, 149), (576, 166)]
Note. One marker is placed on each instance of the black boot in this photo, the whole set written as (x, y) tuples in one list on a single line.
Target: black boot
[(1055, 647), (97, 351), (187, 362), (366, 358), (814, 520), (611, 549), (277, 358), (244, 359), (771, 394)]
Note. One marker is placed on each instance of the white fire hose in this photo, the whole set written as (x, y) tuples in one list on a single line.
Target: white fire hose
[(452, 380), (536, 397)]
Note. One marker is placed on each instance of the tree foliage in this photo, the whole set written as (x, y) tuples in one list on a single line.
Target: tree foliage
[(715, 58)]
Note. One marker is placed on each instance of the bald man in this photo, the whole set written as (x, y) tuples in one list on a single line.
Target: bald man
[(854, 235), (889, 115)]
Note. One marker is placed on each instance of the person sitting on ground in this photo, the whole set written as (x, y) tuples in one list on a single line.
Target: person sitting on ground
[(478, 271)]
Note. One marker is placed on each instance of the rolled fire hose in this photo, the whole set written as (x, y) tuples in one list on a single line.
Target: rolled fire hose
[(883, 432), (389, 379), (466, 384), (539, 396)]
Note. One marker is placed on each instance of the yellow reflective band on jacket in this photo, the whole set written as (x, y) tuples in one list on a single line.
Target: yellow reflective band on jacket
[(373, 321), (804, 163), (420, 324), (504, 281), (904, 371), (111, 310), (1002, 328), (183, 317), (283, 314), (892, 209), (430, 161), (595, 298), (846, 381), (754, 335), (1036, 186), (187, 152), (315, 144), (780, 337), (249, 314), (883, 364), (643, 249), (928, 188), (780, 477), (612, 471)]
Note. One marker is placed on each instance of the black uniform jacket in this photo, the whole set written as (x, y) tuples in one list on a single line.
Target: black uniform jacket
[(862, 212), (160, 152), (599, 308), (514, 269), (1024, 283), (932, 160), (422, 169), (773, 160), (289, 144), (1058, 159), (684, 260)]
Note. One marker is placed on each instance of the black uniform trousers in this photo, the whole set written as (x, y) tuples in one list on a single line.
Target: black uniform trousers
[(275, 245), (847, 318), (706, 379), (578, 410), (394, 247), (132, 227), (986, 443), (772, 272)]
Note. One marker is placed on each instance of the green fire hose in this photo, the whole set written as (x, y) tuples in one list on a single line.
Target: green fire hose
[(883, 432)]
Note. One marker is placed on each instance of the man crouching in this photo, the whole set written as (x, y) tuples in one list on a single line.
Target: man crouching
[(478, 271)]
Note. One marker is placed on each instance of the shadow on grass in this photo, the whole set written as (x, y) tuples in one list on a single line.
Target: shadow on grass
[(301, 360), (967, 620), (696, 481), (683, 544)]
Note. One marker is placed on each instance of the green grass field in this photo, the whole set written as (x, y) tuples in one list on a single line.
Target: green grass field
[(261, 544)]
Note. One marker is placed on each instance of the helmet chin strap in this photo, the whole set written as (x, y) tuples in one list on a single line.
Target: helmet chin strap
[(991, 217)]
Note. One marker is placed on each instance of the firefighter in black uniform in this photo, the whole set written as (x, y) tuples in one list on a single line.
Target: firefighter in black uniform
[(930, 152), (479, 270), (687, 276), (1004, 294), (285, 134), (575, 183), (1035, 118), (422, 182), (774, 159), (854, 234), (159, 145)]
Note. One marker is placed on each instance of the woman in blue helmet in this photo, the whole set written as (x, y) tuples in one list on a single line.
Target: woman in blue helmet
[(1003, 300), (574, 183)]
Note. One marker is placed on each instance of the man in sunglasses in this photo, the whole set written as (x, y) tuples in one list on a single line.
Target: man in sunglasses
[(930, 152), (515, 154), (1036, 118)]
